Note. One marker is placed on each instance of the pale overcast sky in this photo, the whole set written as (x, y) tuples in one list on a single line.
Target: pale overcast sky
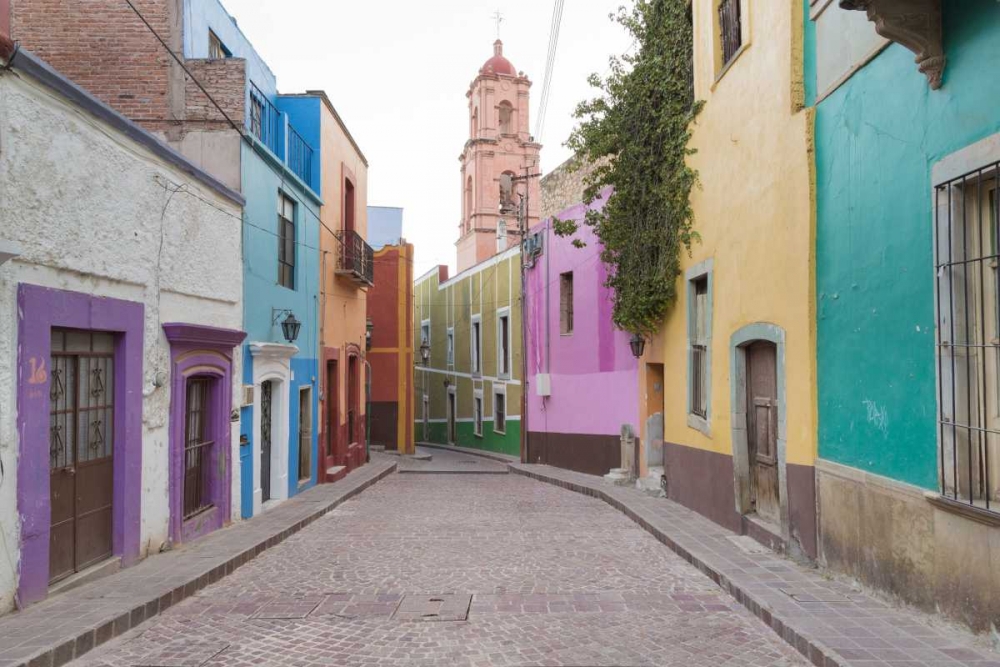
[(398, 71)]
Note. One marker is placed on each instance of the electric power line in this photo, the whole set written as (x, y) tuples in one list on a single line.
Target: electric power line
[(550, 61)]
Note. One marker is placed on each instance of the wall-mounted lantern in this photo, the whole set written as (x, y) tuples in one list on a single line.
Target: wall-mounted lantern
[(638, 345), (425, 352), (369, 328), (290, 326)]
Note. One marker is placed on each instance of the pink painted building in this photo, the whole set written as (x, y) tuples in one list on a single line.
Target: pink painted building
[(583, 378)]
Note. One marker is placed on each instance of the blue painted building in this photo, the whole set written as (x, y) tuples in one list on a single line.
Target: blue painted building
[(908, 297), (280, 178)]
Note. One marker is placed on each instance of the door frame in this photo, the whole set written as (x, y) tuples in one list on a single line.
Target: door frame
[(332, 433), (40, 310), (742, 466), (272, 362)]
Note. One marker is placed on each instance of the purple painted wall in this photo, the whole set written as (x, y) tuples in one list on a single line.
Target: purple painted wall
[(39, 310), (594, 376)]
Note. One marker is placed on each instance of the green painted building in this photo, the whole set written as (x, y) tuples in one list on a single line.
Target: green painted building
[(468, 392), (908, 333)]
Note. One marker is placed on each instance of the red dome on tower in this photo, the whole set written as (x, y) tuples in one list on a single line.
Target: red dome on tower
[(498, 64)]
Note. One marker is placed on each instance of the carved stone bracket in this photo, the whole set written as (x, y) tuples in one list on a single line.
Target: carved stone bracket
[(916, 24)]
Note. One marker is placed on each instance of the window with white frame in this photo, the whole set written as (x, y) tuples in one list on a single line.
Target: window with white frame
[(503, 343), (500, 411), (968, 336), (216, 49), (699, 313), (286, 241), (451, 346), (477, 413), (425, 332), (477, 345)]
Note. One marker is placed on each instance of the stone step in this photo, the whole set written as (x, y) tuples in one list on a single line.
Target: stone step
[(335, 473)]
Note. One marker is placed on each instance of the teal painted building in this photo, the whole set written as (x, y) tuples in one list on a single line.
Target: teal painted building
[(280, 179), (907, 301)]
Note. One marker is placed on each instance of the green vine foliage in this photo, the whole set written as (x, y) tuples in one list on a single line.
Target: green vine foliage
[(636, 134)]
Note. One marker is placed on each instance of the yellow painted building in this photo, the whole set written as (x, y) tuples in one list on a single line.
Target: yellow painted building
[(727, 386)]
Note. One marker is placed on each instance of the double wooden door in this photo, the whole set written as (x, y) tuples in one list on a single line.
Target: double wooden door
[(81, 450), (762, 429), (265, 440)]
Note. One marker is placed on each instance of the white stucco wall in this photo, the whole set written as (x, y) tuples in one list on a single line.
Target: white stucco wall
[(94, 212)]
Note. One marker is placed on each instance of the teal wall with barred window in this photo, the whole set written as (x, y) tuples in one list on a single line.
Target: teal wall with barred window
[(877, 137)]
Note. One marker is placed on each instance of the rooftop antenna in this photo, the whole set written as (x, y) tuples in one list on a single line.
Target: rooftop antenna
[(498, 17)]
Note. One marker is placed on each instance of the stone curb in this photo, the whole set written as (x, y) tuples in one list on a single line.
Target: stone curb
[(405, 471), (493, 456), (54, 650), (811, 648)]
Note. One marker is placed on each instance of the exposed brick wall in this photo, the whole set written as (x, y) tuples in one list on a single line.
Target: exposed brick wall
[(562, 188), (104, 47), (226, 81)]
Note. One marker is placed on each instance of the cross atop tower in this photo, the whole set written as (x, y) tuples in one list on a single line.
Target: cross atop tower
[(498, 17)]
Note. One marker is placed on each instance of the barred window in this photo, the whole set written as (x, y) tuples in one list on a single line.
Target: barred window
[(968, 337), (699, 348), (478, 415)]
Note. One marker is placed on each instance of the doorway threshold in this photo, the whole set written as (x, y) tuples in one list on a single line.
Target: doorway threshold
[(93, 573)]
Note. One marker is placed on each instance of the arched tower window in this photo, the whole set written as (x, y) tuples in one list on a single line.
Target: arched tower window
[(474, 125), (468, 204), (506, 118)]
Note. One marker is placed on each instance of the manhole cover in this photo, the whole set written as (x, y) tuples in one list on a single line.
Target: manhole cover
[(434, 608), (186, 653), (286, 610), (814, 595)]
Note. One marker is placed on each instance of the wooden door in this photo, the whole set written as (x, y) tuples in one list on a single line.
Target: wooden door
[(265, 440), (762, 429), (332, 410), (451, 419), (305, 433), (81, 450)]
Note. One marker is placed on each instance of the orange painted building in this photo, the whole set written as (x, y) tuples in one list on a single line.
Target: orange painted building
[(390, 313), (347, 274)]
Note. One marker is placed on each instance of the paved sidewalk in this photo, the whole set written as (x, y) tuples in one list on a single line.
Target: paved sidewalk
[(70, 624), (829, 622), (451, 460)]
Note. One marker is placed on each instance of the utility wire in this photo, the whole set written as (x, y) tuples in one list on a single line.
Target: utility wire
[(550, 61)]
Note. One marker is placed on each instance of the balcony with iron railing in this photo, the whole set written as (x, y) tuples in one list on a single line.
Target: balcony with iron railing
[(356, 259), (271, 127)]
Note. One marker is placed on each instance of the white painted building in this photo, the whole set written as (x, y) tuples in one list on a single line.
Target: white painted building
[(120, 310)]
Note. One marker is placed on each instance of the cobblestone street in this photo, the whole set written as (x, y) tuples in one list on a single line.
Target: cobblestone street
[(545, 576)]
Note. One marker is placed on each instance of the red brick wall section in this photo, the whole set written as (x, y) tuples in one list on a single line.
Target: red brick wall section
[(225, 80), (104, 47)]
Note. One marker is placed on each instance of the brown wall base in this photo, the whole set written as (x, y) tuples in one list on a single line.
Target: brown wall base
[(591, 454), (888, 535), (703, 481), (384, 430)]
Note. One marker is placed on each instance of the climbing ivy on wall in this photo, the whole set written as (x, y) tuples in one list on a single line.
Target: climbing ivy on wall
[(636, 132)]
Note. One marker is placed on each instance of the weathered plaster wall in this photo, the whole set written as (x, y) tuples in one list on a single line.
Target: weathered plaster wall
[(874, 243), (133, 229)]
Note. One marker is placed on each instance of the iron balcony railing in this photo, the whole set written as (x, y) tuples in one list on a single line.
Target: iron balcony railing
[(265, 120), (356, 259), (300, 156)]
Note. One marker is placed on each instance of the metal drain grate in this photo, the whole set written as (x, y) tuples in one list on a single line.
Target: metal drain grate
[(434, 608)]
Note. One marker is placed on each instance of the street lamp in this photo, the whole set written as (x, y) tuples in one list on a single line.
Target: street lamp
[(290, 326), (638, 345), (425, 352)]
